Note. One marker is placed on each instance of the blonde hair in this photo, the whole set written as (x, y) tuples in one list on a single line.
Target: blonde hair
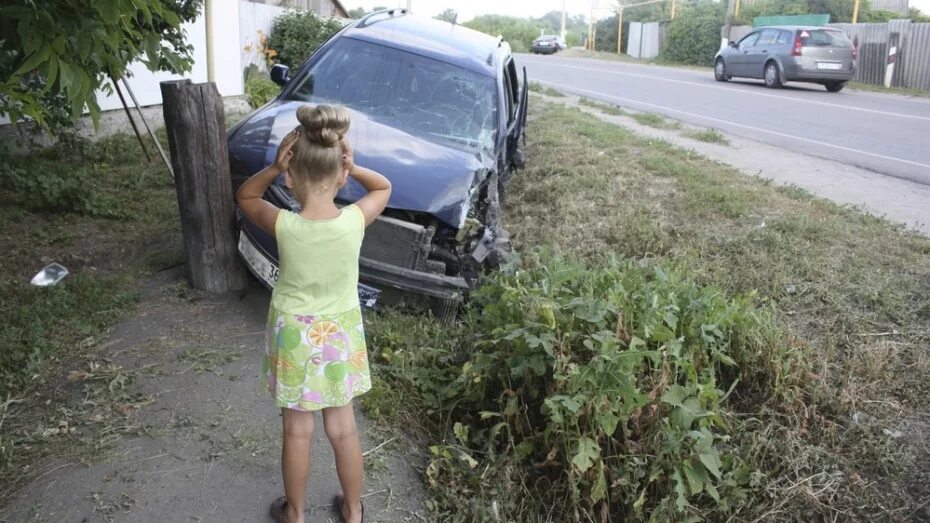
[(318, 151)]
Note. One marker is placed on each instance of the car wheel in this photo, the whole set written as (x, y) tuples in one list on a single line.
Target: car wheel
[(720, 71), (835, 87), (772, 76)]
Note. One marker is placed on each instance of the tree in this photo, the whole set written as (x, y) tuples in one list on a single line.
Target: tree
[(55, 54), (297, 34), (449, 15), (694, 35)]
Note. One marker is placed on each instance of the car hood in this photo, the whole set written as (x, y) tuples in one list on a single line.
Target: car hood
[(426, 176)]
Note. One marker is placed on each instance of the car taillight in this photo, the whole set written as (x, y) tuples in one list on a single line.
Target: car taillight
[(796, 50)]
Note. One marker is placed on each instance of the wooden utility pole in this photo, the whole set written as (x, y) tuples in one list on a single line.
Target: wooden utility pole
[(855, 18), (619, 30), (196, 129), (729, 22)]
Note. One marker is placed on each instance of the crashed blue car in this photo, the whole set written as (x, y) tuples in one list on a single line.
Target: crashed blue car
[(437, 108)]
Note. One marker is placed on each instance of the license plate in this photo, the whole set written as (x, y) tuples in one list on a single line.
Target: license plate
[(829, 65), (258, 264)]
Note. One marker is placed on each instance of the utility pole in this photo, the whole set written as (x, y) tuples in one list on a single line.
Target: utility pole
[(562, 32), (409, 6), (208, 14), (729, 23), (855, 18), (673, 9), (619, 29)]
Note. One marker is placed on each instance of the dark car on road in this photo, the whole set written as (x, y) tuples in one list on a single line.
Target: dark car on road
[(548, 44), (790, 54), (438, 109)]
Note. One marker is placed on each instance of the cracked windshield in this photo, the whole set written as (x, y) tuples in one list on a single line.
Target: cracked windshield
[(424, 97)]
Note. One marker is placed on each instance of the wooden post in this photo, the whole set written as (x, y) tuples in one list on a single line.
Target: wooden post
[(197, 136), (855, 16)]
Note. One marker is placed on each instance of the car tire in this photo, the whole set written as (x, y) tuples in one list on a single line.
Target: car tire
[(720, 71), (835, 87), (772, 76)]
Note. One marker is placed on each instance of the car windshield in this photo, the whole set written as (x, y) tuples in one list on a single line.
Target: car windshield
[(421, 96), (824, 38)]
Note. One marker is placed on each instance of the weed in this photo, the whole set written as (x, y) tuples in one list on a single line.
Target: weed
[(709, 136)]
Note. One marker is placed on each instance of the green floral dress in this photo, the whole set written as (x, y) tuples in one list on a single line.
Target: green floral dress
[(315, 355)]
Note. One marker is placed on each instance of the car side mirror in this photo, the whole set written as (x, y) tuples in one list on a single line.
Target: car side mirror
[(280, 74), (733, 44)]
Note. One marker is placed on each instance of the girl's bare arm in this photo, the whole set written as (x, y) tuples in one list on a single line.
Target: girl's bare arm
[(249, 196)]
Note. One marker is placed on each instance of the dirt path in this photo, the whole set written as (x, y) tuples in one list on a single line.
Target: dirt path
[(209, 439), (898, 200)]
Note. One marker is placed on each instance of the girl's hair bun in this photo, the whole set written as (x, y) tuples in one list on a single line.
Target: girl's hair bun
[(324, 124)]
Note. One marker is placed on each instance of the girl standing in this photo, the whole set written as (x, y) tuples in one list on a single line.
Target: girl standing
[(315, 358)]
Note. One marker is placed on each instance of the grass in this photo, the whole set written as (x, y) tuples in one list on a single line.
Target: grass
[(708, 136), (905, 91), (850, 291), (602, 107), (655, 120), (126, 227), (537, 87)]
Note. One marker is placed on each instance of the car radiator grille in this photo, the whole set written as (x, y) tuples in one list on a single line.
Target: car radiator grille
[(397, 242)]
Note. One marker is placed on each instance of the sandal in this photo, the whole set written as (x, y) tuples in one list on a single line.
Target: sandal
[(339, 501), (277, 510)]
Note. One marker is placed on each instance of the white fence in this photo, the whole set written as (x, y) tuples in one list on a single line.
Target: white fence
[(255, 20), (645, 40)]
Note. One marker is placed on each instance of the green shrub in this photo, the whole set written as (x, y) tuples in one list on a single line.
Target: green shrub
[(56, 191), (297, 34), (694, 35), (260, 89), (598, 392)]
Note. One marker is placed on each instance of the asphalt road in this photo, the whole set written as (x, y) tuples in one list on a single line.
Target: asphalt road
[(888, 134)]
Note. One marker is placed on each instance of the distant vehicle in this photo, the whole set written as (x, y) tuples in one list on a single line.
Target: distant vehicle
[(548, 44), (790, 54)]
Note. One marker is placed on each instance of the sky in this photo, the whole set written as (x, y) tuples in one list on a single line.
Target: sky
[(468, 9)]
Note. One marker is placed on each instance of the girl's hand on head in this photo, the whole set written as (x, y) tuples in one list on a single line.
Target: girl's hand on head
[(283, 159), (348, 156)]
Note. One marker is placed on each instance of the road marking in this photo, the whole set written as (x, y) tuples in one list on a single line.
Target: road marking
[(712, 86), (728, 122)]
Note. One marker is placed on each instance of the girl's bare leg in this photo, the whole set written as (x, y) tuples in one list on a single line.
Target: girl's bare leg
[(339, 423), (295, 460)]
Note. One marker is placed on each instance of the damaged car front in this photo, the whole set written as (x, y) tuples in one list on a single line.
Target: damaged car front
[(439, 110)]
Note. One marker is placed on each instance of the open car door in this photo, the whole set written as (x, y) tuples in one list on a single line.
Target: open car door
[(518, 131)]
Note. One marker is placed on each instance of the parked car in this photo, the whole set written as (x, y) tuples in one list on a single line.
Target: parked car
[(438, 109), (548, 44), (787, 54)]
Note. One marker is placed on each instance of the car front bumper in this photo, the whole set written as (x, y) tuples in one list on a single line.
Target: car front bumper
[(545, 49), (375, 275)]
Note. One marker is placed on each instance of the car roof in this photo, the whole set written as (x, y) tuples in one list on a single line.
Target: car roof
[(443, 41)]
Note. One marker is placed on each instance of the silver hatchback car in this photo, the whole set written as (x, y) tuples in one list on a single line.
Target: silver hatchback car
[(782, 54)]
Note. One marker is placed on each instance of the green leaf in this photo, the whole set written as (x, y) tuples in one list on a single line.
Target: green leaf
[(608, 422), (109, 10), (34, 60), (460, 431), (472, 462), (599, 490), (66, 77), (711, 461), (588, 452), (681, 492), (697, 477), (675, 395)]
